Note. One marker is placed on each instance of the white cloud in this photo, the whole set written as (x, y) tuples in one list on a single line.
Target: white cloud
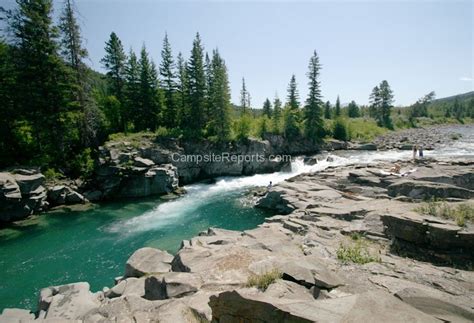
[(466, 78)]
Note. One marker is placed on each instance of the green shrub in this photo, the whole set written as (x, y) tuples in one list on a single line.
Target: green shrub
[(82, 165), (51, 174), (168, 133), (264, 280), (264, 126), (339, 130), (357, 251), (242, 127), (291, 127), (460, 213), (364, 129)]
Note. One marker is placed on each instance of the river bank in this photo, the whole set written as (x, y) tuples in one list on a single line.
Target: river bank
[(143, 166)]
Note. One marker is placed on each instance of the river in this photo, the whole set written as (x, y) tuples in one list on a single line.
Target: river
[(93, 245)]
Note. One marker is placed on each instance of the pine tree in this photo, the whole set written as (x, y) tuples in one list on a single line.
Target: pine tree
[(196, 87), (209, 78), (244, 98), (471, 108), (314, 126), (183, 98), (386, 102), (9, 143), (169, 85), (219, 124), (267, 108), (71, 41), (114, 62), (147, 108), (353, 110), (132, 88), (327, 110), (375, 102), (420, 108), (44, 86), (457, 109), (337, 108), (277, 113), (74, 54), (293, 96)]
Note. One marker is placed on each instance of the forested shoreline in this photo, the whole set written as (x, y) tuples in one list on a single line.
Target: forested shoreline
[(55, 111)]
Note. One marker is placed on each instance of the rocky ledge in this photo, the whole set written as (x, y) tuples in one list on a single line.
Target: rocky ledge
[(428, 137), (348, 244)]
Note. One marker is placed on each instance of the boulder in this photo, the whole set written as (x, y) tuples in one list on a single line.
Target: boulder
[(288, 290), (21, 195), (68, 302), (16, 315), (310, 161), (30, 182), (172, 285), (61, 194), (128, 286), (275, 201), (154, 181), (424, 190), (147, 261)]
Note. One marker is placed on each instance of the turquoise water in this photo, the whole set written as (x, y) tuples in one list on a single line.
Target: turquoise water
[(93, 245)]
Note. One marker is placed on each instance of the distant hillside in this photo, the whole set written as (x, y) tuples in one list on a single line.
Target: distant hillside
[(464, 97)]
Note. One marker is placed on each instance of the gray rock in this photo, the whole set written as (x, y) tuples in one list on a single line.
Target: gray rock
[(21, 195), (238, 306), (424, 190), (71, 302), (126, 287), (275, 201), (434, 305), (147, 261), (156, 180), (74, 197), (288, 290), (172, 285), (16, 315), (143, 162)]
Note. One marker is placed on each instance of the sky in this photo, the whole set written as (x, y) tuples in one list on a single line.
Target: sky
[(417, 46)]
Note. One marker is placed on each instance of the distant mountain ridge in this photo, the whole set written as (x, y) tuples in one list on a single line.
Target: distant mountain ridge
[(463, 97)]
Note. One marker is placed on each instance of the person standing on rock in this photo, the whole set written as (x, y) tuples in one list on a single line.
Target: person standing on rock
[(414, 152), (420, 152)]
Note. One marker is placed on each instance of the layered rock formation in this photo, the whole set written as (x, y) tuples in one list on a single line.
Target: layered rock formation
[(339, 249), (21, 194)]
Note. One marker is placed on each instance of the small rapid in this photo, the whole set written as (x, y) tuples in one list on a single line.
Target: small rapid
[(168, 213)]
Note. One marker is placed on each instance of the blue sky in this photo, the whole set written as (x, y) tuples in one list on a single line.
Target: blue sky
[(418, 46)]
